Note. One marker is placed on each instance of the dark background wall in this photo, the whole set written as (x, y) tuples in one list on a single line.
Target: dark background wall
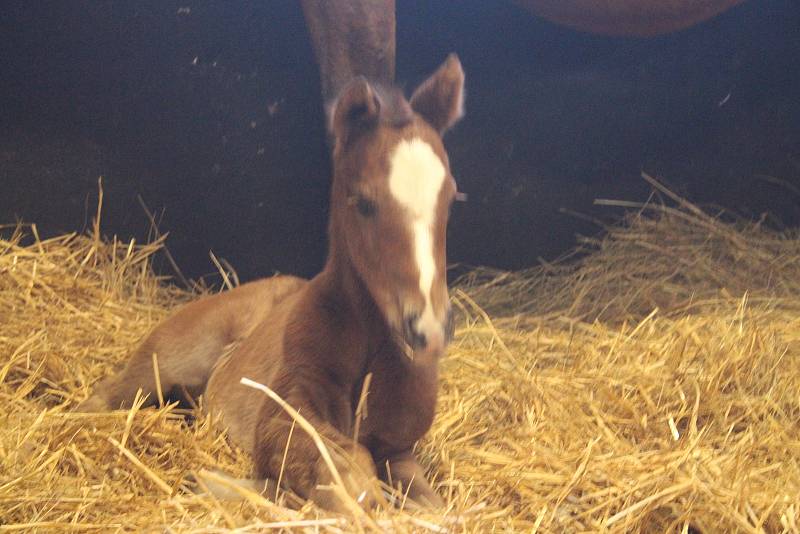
[(210, 111)]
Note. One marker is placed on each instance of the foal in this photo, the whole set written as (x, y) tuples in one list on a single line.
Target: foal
[(379, 307)]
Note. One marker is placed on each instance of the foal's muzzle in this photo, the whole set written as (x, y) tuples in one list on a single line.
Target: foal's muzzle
[(426, 335)]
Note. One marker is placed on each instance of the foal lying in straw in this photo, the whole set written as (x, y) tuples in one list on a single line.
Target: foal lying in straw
[(376, 318)]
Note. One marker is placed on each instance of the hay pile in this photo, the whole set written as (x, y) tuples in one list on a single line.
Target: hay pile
[(652, 384)]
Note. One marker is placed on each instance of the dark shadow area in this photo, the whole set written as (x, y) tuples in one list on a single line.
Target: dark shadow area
[(210, 111)]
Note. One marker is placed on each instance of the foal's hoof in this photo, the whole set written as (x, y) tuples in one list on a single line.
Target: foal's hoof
[(357, 474), (227, 488), (355, 495), (417, 500), (429, 500), (94, 403)]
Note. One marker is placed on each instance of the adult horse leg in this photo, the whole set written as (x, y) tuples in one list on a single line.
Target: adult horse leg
[(351, 38)]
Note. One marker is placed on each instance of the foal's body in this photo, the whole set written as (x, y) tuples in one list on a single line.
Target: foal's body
[(382, 293)]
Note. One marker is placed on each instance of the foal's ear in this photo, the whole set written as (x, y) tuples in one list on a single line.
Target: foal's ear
[(356, 108), (440, 98)]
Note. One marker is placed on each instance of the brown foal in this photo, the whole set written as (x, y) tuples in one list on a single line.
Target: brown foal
[(380, 307)]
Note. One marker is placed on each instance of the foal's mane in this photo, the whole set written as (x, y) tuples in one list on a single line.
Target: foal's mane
[(395, 110)]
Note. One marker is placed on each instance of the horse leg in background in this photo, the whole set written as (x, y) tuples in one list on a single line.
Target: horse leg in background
[(355, 38), (188, 344)]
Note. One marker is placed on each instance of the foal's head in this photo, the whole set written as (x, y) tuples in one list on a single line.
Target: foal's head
[(392, 191)]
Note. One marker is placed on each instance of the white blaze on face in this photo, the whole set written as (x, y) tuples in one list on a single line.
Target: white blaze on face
[(415, 179)]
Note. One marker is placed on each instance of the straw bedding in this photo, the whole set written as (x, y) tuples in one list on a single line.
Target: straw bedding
[(649, 383)]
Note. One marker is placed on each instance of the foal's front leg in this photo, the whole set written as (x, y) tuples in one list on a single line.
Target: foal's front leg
[(403, 472), (300, 464)]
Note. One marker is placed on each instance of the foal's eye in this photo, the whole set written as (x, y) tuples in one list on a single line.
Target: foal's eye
[(365, 206)]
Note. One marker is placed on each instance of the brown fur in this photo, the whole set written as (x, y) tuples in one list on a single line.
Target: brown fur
[(351, 39), (314, 342), (637, 18)]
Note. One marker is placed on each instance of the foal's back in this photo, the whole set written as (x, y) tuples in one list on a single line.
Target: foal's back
[(188, 345)]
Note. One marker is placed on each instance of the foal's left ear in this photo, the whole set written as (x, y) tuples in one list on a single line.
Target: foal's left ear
[(440, 98), (356, 109)]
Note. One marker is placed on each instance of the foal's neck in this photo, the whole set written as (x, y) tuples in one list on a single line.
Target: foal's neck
[(344, 289)]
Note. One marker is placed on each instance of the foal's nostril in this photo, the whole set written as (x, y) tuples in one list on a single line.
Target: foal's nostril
[(413, 336)]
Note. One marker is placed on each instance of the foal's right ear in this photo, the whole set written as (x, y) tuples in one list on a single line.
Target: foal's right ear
[(356, 108)]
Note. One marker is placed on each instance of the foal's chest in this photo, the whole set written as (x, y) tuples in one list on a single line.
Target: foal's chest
[(401, 405)]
